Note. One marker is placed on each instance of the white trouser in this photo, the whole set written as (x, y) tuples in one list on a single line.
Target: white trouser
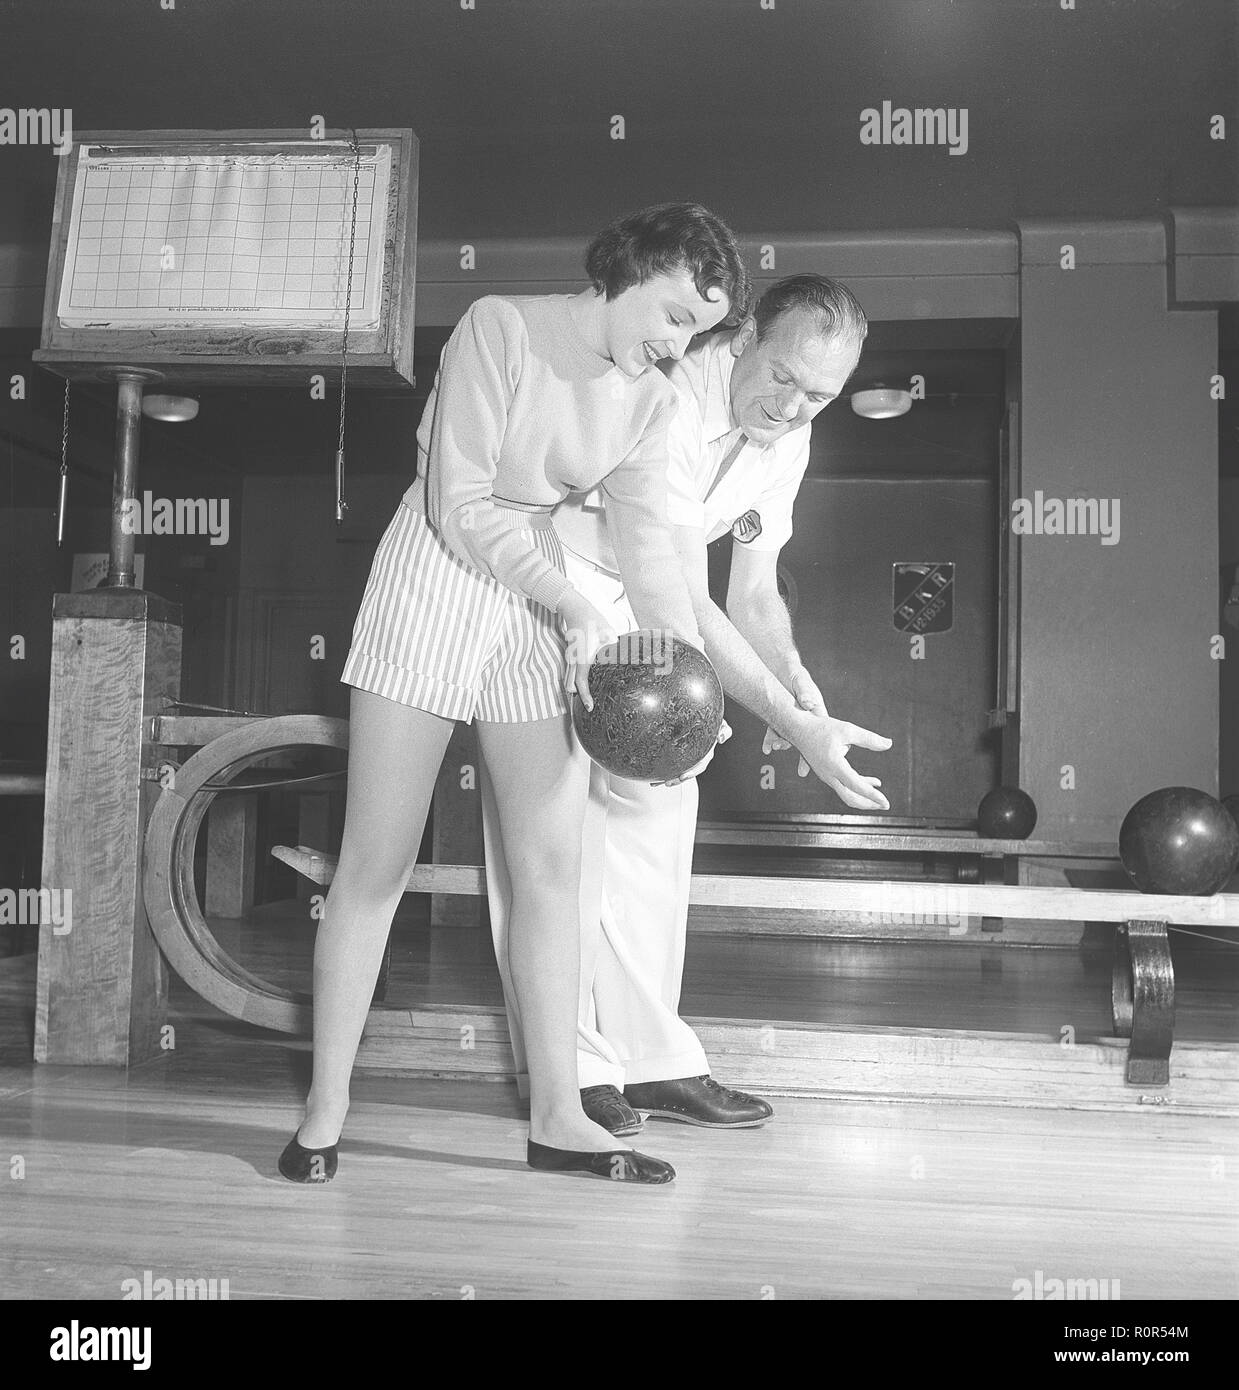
[(636, 866)]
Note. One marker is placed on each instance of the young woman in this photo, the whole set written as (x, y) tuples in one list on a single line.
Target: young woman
[(468, 615)]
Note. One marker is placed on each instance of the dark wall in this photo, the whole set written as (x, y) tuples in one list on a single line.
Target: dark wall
[(301, 582), (31, 571), (1119, 687), (1100, 110), (849, 533), (1228, 675)]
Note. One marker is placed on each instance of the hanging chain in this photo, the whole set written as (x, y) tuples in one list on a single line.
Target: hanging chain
[(341, 504), (64, 472)]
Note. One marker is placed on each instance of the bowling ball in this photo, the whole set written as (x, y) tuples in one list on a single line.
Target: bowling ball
[(1006, 813), (1179, 840), (658, 707)]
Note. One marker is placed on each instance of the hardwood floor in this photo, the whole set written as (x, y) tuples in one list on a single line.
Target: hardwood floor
[(170, 1167)]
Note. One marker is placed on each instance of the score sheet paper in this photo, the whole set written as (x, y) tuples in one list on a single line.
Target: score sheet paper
[(159, 241)]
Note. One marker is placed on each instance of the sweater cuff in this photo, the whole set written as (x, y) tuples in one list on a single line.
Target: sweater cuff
[(550, 589)]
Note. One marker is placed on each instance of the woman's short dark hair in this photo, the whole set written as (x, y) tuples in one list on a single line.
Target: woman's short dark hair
[(666, 238), (835, 306)]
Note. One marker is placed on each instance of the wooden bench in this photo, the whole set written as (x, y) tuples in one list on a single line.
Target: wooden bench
[(843, 846), (975, 859)]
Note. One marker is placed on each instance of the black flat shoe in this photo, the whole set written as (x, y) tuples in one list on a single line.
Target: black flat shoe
[(620, 1165), (308, 1165), (606, 1107)]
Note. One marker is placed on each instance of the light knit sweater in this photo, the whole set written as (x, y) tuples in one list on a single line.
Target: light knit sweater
[(524, 410)]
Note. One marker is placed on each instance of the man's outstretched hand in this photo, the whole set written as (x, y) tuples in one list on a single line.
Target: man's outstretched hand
[(824, 748)]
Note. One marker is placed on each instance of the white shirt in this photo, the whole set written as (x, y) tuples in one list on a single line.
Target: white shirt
[(753, 500)]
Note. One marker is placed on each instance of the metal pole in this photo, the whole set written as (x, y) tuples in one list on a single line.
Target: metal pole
[(124, 480)]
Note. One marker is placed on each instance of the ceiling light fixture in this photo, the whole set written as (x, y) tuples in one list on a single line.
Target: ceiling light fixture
[(169, 407)]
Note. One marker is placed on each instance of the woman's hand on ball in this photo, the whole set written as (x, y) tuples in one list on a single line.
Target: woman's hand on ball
[(585, 629)]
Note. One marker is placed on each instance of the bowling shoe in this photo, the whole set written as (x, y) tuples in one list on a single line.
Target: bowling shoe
[(620, 1165), (298, 1164), (606, 1107), (698, 1100)]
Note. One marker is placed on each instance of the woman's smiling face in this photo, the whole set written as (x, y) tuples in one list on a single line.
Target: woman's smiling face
[(658, 319)]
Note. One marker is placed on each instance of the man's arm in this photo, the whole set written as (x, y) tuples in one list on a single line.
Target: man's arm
[(823, 741), (744, 674), (759, 614)]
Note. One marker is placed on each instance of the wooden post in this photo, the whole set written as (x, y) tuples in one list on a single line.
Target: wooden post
[(102, 990)]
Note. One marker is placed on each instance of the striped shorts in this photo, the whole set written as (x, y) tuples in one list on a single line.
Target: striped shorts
[(435, 633)]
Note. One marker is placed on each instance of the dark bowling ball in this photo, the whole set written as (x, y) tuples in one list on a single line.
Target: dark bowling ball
[(1179, 840), (1006, 813), (658, 707)]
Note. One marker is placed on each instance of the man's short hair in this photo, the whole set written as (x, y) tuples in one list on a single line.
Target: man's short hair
[(663, 239), (836, 307)]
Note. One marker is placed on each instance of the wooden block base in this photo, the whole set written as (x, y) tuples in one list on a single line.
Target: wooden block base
[(102, 983)]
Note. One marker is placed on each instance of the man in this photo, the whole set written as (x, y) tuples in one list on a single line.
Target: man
[(738, 450)]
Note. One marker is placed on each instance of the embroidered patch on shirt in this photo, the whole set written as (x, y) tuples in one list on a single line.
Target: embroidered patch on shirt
[(748, 527)]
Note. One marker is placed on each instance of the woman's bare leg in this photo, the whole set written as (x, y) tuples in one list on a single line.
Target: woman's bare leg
[(393, 760), (541, 780)]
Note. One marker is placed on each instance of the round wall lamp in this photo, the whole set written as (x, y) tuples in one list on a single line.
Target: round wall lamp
[(169, 407), (881, 402)]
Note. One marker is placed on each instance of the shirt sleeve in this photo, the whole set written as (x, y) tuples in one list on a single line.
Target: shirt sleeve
[(640, 529), (775, 502), (460, 439), (685, 447)]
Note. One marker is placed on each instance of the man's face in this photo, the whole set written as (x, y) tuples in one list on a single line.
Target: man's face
[(658, 319), (781, 383)]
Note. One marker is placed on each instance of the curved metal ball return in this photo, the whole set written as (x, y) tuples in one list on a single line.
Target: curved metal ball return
[(172, 899)]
